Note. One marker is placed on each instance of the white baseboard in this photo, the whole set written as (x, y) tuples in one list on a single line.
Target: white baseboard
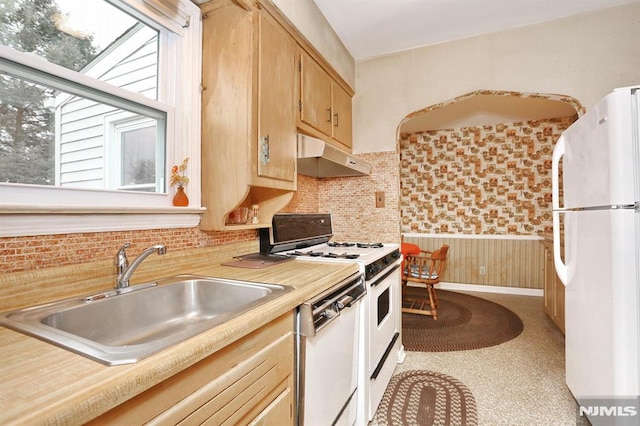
[(489, 289)]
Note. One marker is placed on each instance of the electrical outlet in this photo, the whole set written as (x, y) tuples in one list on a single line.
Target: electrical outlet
[(483, 270)]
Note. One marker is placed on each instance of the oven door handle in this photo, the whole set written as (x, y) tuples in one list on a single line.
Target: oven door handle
[(386, 274)]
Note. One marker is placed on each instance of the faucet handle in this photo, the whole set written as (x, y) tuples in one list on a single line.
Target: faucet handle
[(121, 255)]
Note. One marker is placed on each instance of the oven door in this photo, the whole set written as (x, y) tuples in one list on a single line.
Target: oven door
[(384, 299), (383, 334)]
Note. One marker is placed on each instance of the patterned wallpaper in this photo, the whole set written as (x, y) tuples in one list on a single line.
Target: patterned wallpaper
[(479, 180)]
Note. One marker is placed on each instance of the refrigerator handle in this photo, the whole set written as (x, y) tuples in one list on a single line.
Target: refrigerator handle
[(558, 152)]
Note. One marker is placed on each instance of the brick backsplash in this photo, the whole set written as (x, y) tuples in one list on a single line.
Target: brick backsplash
[(494, 179), (352, 201), (305, 199), (35, 252)]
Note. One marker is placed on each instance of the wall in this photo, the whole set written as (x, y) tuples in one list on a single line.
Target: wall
[(351, 200), (506, 261), (355, 218), (311, 23), (37, 252), (306, 198), (584, 57), (44, 251), (479, 180)]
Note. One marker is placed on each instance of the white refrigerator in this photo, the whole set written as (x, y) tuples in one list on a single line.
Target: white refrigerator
[(596, 194)]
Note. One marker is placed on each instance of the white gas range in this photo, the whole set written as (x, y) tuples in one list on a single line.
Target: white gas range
[(307, 237)]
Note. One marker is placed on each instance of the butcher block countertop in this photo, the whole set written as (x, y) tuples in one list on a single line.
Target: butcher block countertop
[(43, 384)]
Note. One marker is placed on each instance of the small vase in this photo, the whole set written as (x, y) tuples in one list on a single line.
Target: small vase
[(180, 199)]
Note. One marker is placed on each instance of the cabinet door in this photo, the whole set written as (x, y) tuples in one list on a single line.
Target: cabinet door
[(251, 378), (279, 412), (342, 131), (276, 103), (549, 280), (553, 289), (315, 94), (558, 314)]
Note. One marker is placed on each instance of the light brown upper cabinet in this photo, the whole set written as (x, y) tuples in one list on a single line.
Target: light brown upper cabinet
[(276, 111), (342, 118), (324, 105), (249, 115)]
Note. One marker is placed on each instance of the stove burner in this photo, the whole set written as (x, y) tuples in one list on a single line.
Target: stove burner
[(340, 244), (343, 255), (370, 245), (308, 253), (323, 254)]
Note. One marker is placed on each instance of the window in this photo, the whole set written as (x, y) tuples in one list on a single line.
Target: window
[(98, 99), (137, 155)]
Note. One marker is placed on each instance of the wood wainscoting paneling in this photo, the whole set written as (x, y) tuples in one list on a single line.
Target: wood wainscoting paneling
[(508, 261)]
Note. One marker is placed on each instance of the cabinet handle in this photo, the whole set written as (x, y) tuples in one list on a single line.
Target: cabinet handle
[(336, 122), (264, 150), (329, 115)]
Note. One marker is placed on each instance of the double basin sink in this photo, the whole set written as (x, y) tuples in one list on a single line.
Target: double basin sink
[(124, 326)]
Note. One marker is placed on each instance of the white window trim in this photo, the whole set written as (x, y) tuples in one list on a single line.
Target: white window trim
[(43, 210), (115, 126)]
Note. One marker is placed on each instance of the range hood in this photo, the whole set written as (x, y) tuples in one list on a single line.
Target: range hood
[(319, 159)]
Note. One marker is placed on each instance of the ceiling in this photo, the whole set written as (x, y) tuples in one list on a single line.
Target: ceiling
[(370, 28)]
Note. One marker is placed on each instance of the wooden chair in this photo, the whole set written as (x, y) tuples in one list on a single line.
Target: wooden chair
[(426, 269)]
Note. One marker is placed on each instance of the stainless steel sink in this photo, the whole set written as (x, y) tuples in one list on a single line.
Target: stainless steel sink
[(122, 327)]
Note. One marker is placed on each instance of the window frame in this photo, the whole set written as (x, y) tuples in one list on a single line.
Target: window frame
[(40, 210), (115, 127)]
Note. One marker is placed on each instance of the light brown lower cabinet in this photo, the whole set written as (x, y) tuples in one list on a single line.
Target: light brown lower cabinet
[(249, 382), (553, 288)]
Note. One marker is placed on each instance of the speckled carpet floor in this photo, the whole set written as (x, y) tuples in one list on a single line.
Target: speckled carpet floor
[(519, 382), (464, 322)]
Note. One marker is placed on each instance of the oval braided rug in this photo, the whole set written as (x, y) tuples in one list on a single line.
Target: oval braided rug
[(464, 322), (420, 398)]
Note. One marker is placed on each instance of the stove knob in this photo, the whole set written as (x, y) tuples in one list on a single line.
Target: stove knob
[(373, 269), (328, 313)]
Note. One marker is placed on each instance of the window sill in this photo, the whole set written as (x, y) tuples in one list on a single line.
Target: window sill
[(31, 219)]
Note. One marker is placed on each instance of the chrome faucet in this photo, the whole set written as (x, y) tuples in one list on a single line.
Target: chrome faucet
[(124, 270)]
